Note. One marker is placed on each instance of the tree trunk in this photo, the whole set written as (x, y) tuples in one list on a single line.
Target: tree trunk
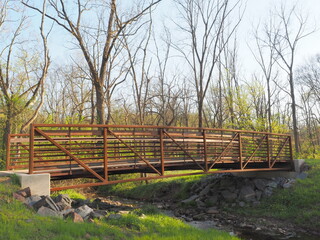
[(294, 116), (100, 103)]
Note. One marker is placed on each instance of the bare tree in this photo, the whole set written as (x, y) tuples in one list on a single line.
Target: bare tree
[(288, 29), (266, 56), (204, 24), (88, 39), (22, 88)]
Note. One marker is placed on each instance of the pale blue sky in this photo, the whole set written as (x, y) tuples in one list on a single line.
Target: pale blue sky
[(256, 10)]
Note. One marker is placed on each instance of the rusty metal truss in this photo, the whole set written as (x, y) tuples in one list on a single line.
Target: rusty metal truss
[(99, 151)]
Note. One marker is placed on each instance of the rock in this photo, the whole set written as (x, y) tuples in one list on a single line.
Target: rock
[(200, 203), (226, 183), (67, 211), (190, 199), (80, 202), (84, 211), (199, 217), (212, 210), (247, 193), (46, 201), (288, 184), (260, 183), (302, 175), (267, 192), (258, 195), (75, 217), (48, 212), (114, 216), (206, 190), (123, 212), (229, 196), (242, 204), (30, 201), (63, 201), (19, 197), (97, 215), (26, 192), (272, 184), (96, 203), (212, 200)]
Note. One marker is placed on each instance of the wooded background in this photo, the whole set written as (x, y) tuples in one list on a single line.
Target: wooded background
[(125, 65)]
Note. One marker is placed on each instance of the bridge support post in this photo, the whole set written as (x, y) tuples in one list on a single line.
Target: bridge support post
[(205, 150), (31, 149), (161, 151), (240, 150), (39, 184), (105, 153)]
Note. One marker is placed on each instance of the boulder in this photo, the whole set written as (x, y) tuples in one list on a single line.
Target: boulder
[(229, 196), (302, 175), (97, 215), (30, 201), (200, 203), (205, 191), (272, 184), (190, 199), (212, 210), (19, 197), (226, 183), (46, 201), (260, 184), (258, 195), (26, 192), (212, 200), (75, 217), (84, 211), (47, 212), (247, 193), (63, 201), (267, 192)]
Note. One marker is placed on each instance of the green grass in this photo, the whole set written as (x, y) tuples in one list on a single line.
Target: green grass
[(300, 204), (19, 223), (175, 188), (71, 192)]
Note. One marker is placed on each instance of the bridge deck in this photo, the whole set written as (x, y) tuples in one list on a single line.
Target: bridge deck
[(98, 151)]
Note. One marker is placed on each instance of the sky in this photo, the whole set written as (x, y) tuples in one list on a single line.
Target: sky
[(256, 10)]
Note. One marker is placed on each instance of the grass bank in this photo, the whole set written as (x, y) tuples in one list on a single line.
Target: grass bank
[(174, 188), (19, 223), (299, 204)]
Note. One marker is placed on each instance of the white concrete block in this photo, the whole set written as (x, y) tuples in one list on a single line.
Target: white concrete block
[(38, 183)]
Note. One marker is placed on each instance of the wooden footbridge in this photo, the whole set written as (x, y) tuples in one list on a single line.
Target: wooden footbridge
[(99, 151)]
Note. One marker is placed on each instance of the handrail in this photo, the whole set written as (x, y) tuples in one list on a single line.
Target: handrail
[(98, 151)]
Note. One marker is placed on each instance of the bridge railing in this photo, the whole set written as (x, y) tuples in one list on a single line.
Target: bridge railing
[(69, 150)]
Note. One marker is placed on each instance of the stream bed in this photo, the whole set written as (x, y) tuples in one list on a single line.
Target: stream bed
[(227, 226)]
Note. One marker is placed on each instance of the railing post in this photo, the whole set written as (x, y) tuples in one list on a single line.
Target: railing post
[(105, 153), (8, 162), (205, 150), (161, 150), (291, 153), (240, 150), (31, 149), (268, 151)]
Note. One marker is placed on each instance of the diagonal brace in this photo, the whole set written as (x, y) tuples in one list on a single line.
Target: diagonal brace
[(224, 151), (70, 154), (134, 151), (250, 158), (282, 147), (183, 150)]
